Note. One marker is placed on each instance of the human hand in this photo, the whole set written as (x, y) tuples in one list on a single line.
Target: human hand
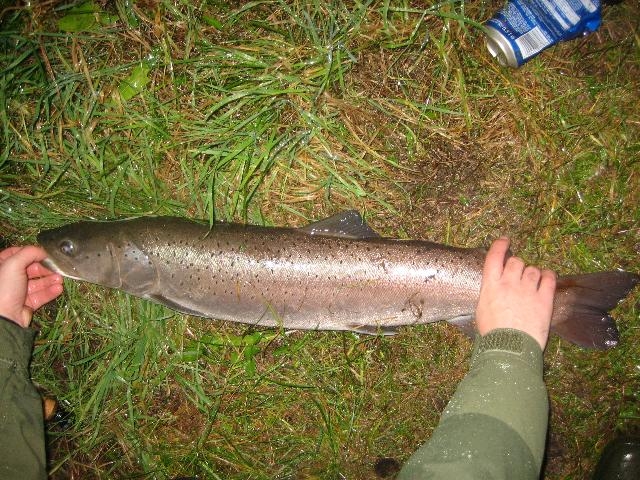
[(513, 295), (25, 285)]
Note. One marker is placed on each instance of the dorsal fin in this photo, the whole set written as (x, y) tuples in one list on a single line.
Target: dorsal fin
[(347, 224)]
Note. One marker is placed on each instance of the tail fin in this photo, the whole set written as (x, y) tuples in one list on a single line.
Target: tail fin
[(582, 304)]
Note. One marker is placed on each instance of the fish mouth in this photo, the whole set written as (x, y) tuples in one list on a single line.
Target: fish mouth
[(51, 265)]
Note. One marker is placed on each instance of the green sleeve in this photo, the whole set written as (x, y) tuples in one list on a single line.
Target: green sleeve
[(22, 453), (495, 425)]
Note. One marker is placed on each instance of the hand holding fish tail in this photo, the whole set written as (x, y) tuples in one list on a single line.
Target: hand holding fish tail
[(513, 295), (25, 285), (495, 425)]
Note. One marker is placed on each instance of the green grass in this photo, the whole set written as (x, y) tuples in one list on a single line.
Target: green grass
[(282, 112)]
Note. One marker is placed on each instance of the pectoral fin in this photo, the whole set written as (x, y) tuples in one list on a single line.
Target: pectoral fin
[(158, 298)]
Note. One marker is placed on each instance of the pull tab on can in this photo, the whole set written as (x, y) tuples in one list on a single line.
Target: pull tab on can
[(523, 28)]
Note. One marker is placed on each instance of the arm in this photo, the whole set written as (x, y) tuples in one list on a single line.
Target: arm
[(24, 286), (22, 452), (495, 425)]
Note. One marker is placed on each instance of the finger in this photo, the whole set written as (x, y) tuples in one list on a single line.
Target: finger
[(494, 261), (547, 283), (36, 270), (9, 252), (27, 315), (531, 277), (513, 268), (43, 282), (25, 257), (37, 299)]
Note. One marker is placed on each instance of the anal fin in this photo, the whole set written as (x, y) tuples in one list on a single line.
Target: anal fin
[(372, 329)]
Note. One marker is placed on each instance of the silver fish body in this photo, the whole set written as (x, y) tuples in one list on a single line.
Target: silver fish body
[(335, 274), (313, 278)]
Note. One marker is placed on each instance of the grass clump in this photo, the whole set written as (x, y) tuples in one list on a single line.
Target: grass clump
[(281, 112)]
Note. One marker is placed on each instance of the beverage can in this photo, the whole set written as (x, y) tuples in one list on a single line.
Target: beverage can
[(524, 28)]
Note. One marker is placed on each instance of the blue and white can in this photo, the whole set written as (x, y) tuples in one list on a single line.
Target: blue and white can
[(523, 28)]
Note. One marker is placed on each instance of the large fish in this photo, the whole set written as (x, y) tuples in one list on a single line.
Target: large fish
[(335, 274)]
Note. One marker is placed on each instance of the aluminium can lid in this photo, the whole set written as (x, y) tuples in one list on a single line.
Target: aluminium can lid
[(500, 48)]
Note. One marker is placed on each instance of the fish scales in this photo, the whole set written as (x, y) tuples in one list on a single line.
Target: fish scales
[(282, 276)]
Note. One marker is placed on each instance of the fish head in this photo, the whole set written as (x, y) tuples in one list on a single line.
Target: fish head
[(83, 251)]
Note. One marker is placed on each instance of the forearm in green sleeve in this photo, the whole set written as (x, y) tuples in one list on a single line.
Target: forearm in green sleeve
[(495, 425), (22, 452)]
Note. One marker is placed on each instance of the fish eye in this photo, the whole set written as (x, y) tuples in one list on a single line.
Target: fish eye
[(67, 247)]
